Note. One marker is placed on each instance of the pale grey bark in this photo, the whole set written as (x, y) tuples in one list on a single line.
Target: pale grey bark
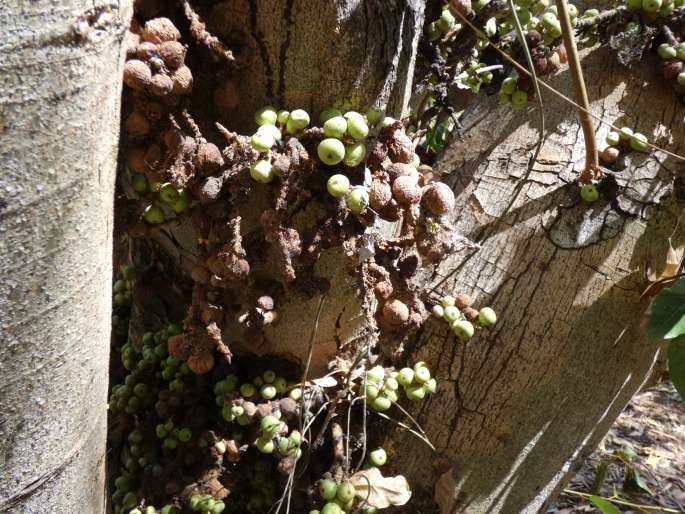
[(520, 405), (60, 67)]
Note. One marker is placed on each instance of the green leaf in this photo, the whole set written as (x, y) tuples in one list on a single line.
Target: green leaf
[(600, 478), (676, 365), (604, 505), (635, 480), (668, 313)]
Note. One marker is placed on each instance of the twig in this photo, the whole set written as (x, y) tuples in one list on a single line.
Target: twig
[(592, 169), (626, 503), (408, 428), (199, 32), (536, 84)]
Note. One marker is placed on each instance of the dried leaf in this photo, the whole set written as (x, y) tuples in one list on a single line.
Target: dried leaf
[(444, 494), (379, 491), (671, 267), (327, 381)]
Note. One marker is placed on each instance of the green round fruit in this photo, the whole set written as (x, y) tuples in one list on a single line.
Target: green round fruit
[(329, 113), (430, 386), (634, 5), (129, 501), (262, 171), (681, 78), (247, 390), (446, 20), (422, 375), (331, 151), (451, 313), (639, 142), (356, 125), (269, 376), (338, 185), (258, 381), (328, 489), (354, 154), (625, 133), (415, 392), (265, 445), (391, 384), (153, 214), (262, 142), (218, 508), (680, 51), (509, 85), (388, 122), (448, 301), (358, 200), (381, 404), (220, 447), (335, 127), (519, 99), (297, 121), (227, 413), (139, 183), (372, 392), (268, 392), (406, 376), (266, 116), (332, 508), (269, 425), (168, 193), (651, 6), (270, 130), (487, 317), (589, 193), (375, 374), (613, 138), (463, 329), (666, 51), (295, 394), (378, 457), (184, 435), (282, 117), (438, 311), (281, 385), (346, 492)]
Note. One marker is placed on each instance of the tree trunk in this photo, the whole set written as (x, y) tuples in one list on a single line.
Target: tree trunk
[(317, 54), (60, 69), (520, 406), (310, 55)]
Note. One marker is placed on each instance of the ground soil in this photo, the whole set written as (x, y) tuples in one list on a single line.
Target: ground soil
[(653, 426)]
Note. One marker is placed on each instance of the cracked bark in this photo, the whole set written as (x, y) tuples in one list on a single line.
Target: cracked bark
[(313, 55), (59, 109), (521, 404)]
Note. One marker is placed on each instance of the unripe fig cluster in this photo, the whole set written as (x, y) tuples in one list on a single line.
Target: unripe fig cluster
[(462, 318), (622, 141), (382, 386)]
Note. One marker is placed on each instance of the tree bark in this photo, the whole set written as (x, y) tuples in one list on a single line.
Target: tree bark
[(518, 407), (60, 75), (317, 54)]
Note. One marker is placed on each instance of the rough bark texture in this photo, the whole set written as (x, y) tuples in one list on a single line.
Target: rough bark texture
[(519, 406), (312, 55), (60, 67), (317, 54)]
